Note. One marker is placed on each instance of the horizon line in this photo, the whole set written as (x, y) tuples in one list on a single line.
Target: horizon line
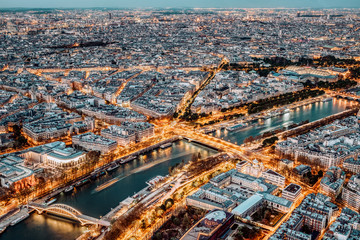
[(169, 8)]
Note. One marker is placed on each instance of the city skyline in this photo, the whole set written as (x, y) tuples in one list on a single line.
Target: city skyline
[(181, 4)]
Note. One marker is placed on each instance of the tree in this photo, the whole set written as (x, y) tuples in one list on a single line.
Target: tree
[(169, 203), (176, 114), (93, 157), (249, 139), (194, 157), (269, 141)]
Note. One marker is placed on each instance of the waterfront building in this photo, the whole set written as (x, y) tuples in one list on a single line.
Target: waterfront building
[(14, 174), (326, 146), (129, 132), (55, 155), (92, 142), (143, 130), (121, 135)]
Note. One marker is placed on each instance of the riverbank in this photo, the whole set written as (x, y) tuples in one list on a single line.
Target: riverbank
[(306, 110), (13, 218), (5, 222), (274, 112), (132, 178)]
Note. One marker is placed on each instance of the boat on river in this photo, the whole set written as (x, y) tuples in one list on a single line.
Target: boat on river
[(128, 159), (82, 182), (69, 189), (50, 201), (112, 167), (327, 99), (166, 145), (19, 219), (236, 127)]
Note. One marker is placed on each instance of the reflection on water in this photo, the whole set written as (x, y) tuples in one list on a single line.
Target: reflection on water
[(132, 178), (43, 227), (286, 117), (311, 112)]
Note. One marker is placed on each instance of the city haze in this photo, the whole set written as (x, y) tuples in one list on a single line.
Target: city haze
[(185, 3)]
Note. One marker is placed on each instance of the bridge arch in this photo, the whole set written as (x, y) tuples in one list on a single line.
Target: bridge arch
[(67, 211), (65, 208)]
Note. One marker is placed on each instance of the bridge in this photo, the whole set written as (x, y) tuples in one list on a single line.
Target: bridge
[(212, 142), (64, 210)]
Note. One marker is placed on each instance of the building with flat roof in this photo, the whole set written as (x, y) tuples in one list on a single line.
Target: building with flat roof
[(256, 169), (54, 154), (286, 163), (274, 178), (291, 192), (249, 206), (352, 165), (14, 174), (279, 203)]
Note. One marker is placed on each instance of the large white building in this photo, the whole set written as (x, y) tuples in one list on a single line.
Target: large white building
[(237, 192), (14, 174), (54, 154), (257, 169), (274, 178)]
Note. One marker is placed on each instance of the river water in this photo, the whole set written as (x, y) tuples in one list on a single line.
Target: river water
[(311, 112), (133, 175)]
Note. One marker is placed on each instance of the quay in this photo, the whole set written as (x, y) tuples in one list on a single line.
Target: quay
[(13, 218)]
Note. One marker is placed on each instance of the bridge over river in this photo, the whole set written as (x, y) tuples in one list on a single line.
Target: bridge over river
[(64, 210)]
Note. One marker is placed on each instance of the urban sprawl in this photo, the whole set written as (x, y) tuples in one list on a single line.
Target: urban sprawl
[(84, 92)]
